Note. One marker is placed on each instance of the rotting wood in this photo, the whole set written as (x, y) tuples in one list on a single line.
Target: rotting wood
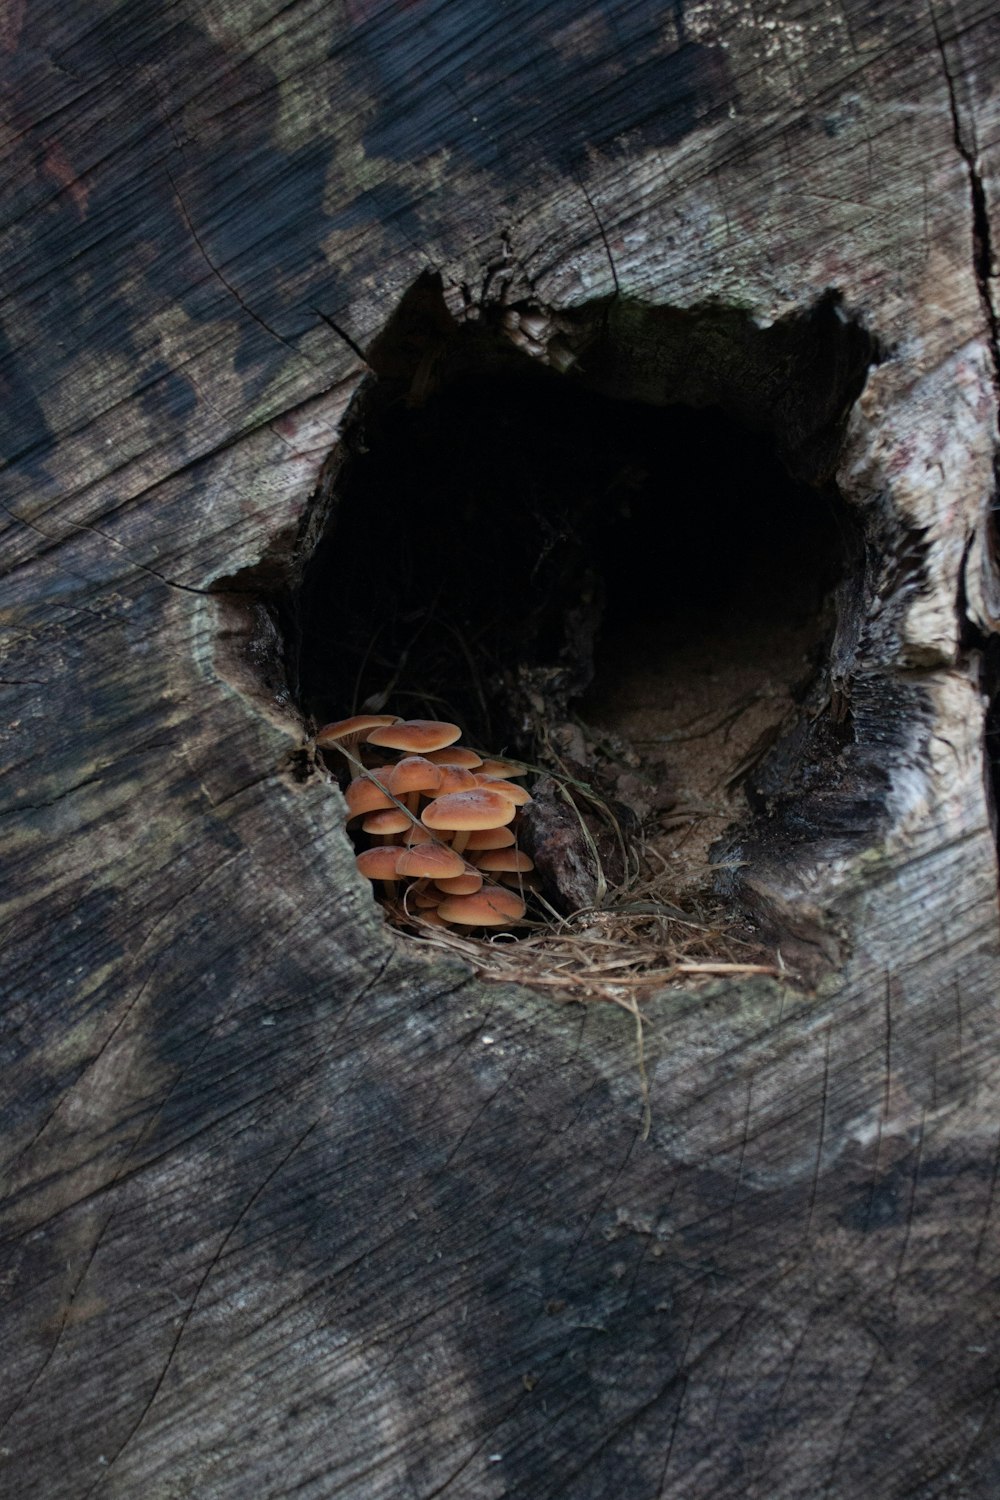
[(290, 1208)]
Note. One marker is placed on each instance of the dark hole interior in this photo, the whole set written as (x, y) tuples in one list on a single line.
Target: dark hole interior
[(625, 570), (521, 537)]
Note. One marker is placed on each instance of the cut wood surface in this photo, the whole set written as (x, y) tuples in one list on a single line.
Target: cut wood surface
[(291, 1207)]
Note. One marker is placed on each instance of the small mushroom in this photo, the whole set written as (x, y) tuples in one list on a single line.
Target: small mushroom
[(461, 885), (511, 769), (380, 863), (430, 917), (457, 755), (363, 795), (436, 861), (411, 776), (489, 838), (416, 736), (454, 779), (418, 834), (387, 820), (519, 795), (344, 734), (503, 860), (463, 812), (470, 799), (491, 907)]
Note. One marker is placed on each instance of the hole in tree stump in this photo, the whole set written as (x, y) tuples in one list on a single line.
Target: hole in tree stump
[(608, 542)]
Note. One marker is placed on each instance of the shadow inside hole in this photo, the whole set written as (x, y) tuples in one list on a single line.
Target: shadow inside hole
[(630, 569), (502, 551)]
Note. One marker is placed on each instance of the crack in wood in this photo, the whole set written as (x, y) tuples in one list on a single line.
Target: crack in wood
[(64, 1319), (982, 251), (213, 268), (189, 1310)]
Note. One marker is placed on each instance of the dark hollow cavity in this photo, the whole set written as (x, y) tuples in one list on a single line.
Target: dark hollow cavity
[(492, 549), (513, 548)]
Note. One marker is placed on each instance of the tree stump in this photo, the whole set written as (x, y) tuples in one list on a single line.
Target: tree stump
[(293, 1205)]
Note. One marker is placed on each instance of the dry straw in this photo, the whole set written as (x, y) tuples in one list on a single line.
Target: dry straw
[(605, 953), (638, 940), (615, 955)]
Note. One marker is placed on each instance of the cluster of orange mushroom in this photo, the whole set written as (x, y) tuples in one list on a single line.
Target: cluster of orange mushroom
[(442, 821)]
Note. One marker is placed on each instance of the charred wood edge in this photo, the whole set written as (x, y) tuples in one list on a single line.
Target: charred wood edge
[(971, 638), (982, 250), (821, 792), (342, 334), (982, 261), (976, 644)]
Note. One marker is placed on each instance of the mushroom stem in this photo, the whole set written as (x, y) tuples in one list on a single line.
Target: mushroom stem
[(460, 840)]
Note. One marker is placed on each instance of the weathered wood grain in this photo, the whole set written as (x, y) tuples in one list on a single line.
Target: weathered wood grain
[(292, 1210)]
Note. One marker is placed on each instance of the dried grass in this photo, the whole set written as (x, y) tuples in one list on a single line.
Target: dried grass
[(618, 955), (642, 937), (639, 938), (604, 953)]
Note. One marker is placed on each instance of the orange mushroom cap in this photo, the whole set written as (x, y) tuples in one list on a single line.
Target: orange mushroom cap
[(416, 735), (490, 907), (434, 860), (350, 731), (387, 820), (458, 755), (490, 838), (362, 795), (501, 859), (454, 779), (413, 774), (508, 768), (479, 808), (461, 885), (517, 794), (380, 863), (418, 834)]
